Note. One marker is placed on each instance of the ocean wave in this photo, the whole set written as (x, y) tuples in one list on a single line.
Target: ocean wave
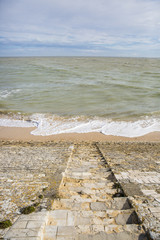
[(48, 124), (4, 122), (6, 93)]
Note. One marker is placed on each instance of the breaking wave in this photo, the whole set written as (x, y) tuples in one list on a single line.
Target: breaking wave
[(46, 125), (6, 93)]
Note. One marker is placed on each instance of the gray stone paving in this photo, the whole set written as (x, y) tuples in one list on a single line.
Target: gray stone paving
[(28, 227), (91, 203), (136, 167), (30, 174), (86, 208)]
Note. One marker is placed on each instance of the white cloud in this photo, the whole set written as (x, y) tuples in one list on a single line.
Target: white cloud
[(94, 24)]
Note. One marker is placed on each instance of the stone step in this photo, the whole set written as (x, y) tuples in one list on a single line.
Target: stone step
[(110, 228), (72, 204), (78, 182), (124, 235), (87, 209), (28, 227), (97, 185), (96, 215), (70, 191), (121, 203), (86, 176), (96, 232)]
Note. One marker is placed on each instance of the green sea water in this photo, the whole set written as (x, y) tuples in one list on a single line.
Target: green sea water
[(114, 89)]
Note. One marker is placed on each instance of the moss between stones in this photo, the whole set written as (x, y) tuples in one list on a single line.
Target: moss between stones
[(55, 196), (40, 196), (5, 224), (27, 210), (119, 189), (36, 204), (116, 186)]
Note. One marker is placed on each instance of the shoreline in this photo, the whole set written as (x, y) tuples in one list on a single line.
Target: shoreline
[(24, 134)]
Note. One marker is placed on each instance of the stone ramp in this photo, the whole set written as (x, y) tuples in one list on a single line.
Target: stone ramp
[(91, 205), (136, 166), (87, 208)]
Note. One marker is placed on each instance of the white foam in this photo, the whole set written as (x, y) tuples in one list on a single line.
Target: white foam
[(131, 129), (15, 123), (50, 125), (6, 93)]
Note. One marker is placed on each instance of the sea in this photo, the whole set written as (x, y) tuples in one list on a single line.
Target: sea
[(113, 96)]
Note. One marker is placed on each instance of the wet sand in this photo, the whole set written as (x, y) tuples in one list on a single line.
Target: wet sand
[(24, 134)]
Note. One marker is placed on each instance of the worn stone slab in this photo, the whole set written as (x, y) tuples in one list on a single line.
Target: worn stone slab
[(98, 228), (98, 206), (30, 225), (120, 203), (68, 231), (26, 238), (83, 221), (59, 214), (19, 233), (155, 209), (50, 232), (21, 224), (83, 229), (71, 217), (34, 216), (157, 215), (87, 213)]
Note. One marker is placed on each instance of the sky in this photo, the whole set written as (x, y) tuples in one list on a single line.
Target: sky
[(123, 28)]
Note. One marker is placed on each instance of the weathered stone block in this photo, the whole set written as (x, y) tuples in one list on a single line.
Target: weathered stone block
[(35, 224), (97, 228), (19, 233), (68, 231), (59, 214), (21, 224), (71, 218), (98, 206), (83, 221), (50, 232)]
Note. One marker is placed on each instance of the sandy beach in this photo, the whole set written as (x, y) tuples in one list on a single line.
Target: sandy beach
[(24, 134)]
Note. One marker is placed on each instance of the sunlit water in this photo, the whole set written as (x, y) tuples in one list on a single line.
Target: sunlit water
[(118, 96)]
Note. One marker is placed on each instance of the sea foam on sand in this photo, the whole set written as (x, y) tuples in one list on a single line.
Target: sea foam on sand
[(51, 125), (6, 122)]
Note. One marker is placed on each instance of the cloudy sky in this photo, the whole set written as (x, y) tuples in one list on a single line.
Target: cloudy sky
[(82, 28)]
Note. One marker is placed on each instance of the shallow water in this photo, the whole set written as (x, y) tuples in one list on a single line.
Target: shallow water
[(118, 96)]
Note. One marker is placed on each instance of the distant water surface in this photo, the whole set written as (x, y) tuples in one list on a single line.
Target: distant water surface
[(119, 96)]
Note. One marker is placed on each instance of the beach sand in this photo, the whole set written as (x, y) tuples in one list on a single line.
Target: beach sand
[(24, 134)]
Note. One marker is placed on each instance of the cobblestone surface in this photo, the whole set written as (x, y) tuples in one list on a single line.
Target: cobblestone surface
[(91, 203), (87, 208), (30, 174), (137, 168)]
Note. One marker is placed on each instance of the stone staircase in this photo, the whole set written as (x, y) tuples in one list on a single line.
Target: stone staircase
[(91, 204)]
